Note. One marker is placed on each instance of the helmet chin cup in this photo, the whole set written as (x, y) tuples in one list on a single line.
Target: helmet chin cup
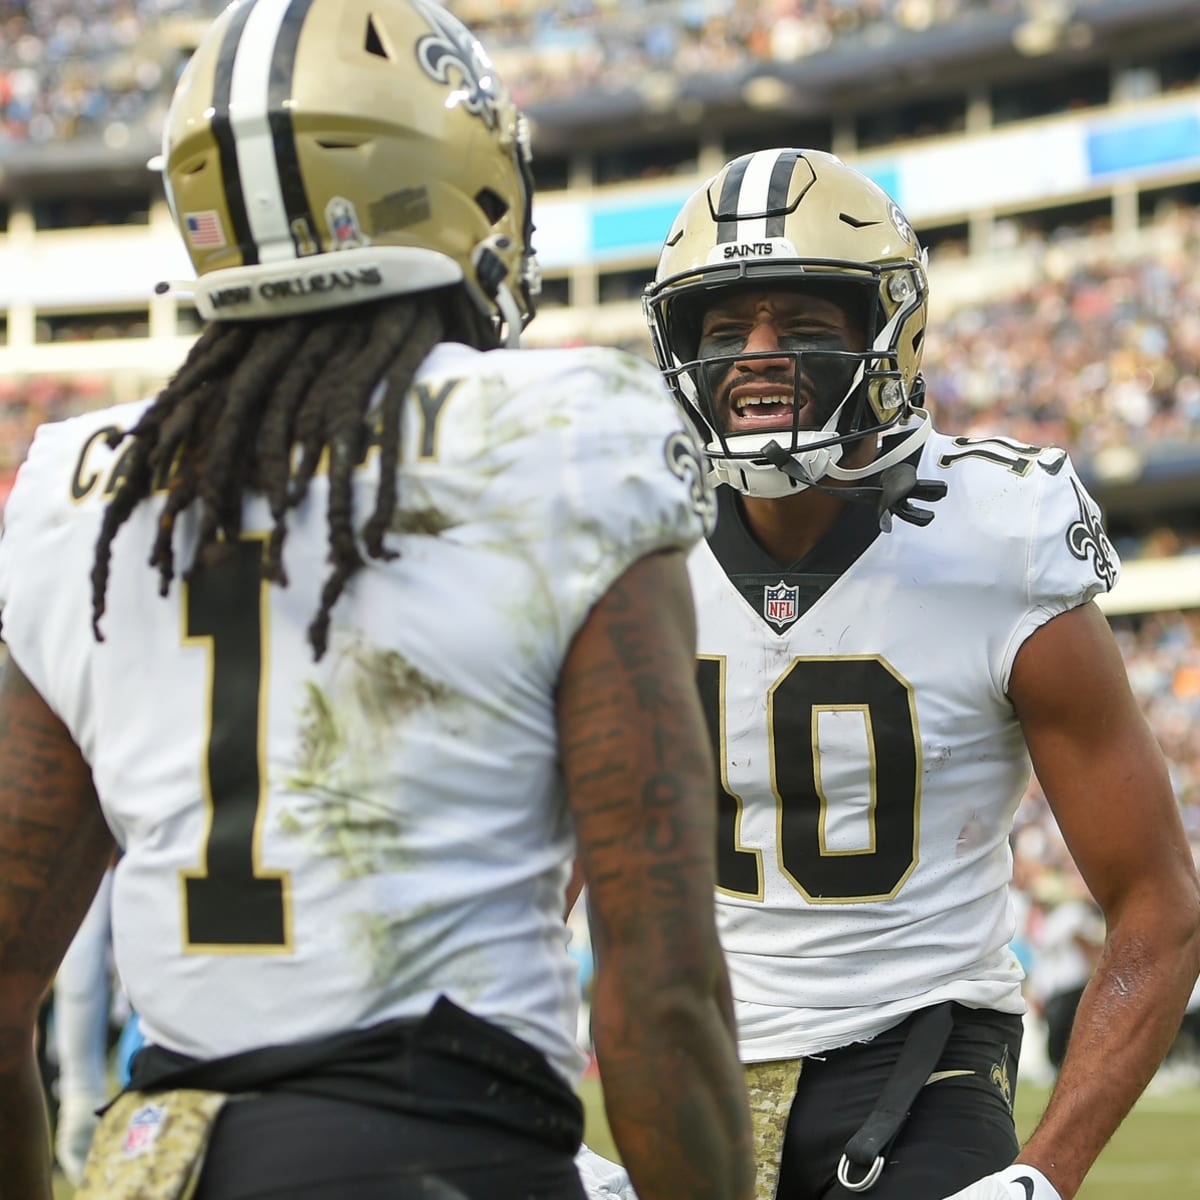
[(759, 477)]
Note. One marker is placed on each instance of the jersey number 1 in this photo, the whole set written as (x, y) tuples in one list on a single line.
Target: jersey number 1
[(230, 905)]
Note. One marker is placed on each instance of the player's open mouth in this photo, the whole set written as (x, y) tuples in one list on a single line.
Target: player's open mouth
[(761, 409)]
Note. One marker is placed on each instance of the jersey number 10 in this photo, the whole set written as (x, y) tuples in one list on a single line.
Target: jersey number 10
[(890, 775)]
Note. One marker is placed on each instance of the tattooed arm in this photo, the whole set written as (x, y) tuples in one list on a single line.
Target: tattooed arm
[(641, 785), (54, 847)]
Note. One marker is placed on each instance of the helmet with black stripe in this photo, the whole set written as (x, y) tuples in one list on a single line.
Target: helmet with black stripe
[(319, 153), (797, 220)]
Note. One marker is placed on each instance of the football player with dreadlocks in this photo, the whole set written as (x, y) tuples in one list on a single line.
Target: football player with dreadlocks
[(421, 627), (893, 623)]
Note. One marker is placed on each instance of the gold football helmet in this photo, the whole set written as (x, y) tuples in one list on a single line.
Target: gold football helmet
[(319, 153), (797, 219)]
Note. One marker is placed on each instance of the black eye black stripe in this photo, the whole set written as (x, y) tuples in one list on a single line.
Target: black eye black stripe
[(223, 134)]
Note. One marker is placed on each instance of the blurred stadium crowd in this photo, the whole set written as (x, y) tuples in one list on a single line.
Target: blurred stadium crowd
[(100, 68), (87, 68), (544, 52), (1095, 356)]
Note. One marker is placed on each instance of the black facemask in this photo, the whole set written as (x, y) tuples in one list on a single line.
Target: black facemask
[(822, 374)]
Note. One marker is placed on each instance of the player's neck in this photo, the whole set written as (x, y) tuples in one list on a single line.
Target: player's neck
[(789, 527)]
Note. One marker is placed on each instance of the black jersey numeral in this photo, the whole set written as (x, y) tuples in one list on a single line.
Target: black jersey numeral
[(229, 904), (739, 868), (1017, 457), (890, 775)]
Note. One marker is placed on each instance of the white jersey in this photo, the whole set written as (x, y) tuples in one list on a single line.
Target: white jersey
[(319, 847), (871, 761)]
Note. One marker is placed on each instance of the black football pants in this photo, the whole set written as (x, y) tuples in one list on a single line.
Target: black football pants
[(280, 1146), (960, 1127)]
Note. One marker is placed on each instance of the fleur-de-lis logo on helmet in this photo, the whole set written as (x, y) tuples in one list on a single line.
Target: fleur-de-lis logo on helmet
[(901, 222), (452, 48)]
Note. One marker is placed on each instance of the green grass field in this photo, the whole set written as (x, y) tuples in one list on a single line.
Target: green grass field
[(1155, 1155)]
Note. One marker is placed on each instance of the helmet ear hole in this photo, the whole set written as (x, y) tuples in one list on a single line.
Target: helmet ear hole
[(493, 205), (374, 43)]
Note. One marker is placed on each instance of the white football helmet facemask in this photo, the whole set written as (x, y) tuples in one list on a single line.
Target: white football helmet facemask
[(797, 219)]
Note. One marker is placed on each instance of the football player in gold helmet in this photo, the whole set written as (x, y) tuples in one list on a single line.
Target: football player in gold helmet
[(876, 688), (399, 668), (760, 226)]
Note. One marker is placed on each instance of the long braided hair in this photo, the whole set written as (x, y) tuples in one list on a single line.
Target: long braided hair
[(255, 407)]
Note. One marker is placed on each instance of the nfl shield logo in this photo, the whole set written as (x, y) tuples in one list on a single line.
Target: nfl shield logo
[(343, 224), (780, 604), (143, 1130)]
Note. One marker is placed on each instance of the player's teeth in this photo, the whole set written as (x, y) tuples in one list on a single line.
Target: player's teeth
[(749, 400)]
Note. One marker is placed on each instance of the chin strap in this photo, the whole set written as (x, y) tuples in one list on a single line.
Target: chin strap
[(898, 488), (894, 494)]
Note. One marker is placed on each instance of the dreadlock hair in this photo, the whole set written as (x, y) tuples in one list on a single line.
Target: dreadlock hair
[(255, 407)]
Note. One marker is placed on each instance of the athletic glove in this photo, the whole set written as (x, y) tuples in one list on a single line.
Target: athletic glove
[(1017, 1182), (602, 1178)]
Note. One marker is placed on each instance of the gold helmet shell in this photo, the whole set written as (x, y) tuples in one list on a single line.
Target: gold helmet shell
[(794, 218), (319, 153)]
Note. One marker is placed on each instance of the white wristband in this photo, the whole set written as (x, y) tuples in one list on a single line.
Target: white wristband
[(602, 1178), (1030, 1183)]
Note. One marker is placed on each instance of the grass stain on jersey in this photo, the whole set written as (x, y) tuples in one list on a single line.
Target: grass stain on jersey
[(320, 738), (346, 743), (385, 941), (365, 839), (345, 728), (425, 522), (388, 686)]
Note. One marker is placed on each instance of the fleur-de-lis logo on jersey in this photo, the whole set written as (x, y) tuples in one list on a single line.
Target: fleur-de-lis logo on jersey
[(452, 51), (1086, 537), (999, 1077), (686, 461)]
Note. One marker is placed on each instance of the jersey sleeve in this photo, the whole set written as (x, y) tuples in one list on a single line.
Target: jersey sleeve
[(45, 572), (1069, 560), (633, 479), (27, 548)]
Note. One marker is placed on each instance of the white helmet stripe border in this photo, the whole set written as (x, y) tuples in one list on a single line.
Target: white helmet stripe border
[(777, 192), (758, 185), (754, 196), (254, 141), (299, 213), (730, 200), (223, 134)]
